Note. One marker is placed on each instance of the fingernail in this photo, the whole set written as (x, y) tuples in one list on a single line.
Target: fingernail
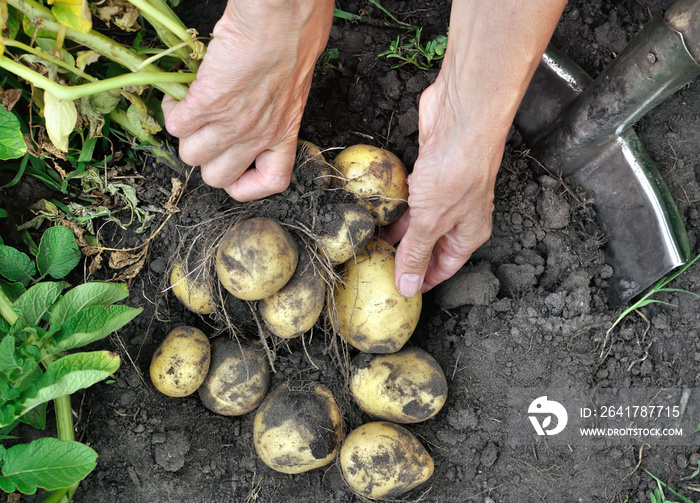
[(409, 284)]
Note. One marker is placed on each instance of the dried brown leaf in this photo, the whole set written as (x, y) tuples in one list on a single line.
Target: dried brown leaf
[(10, 98)]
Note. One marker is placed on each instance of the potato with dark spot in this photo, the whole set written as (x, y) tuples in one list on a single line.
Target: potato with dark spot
[(404, 387), (256, 258), (310, 160), (352, 227), (297, 306), (372, 315), (298, 429), (377, 177), (190, 290), (384, 460), (238, 379), (181, 362)]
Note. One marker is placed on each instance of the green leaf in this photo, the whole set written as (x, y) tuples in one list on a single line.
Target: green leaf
[(8, 362), (15, 265), (47, 463), (91, 325), (37, 301), (36, 417), (61, 117), (84, 296), (69, 374), (12, 143), (3, 214), (58, 252), (12, 290)]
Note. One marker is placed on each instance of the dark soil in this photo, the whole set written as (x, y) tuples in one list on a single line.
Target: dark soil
[(529, 310)]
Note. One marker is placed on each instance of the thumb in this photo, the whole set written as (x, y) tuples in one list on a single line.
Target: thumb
[(412, 259)]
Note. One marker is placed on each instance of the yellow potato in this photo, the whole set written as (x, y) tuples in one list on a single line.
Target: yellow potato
[(384, 460), (256, 258), (238, 379), (372, 315), (190, 290), (296, 307), (310, 160), (377, 177), (181, 362), (404, 387), (296, 430), (350, 228)]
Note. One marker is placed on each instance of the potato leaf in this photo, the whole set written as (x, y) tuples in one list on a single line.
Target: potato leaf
[(68, 375), (36, 417), (61, 117), (12, 143), (8, 362), (84, 296), (15, 265), (47, 463), (58, 252), (12, 290), (75, 14), (91, 325), (36, 302)]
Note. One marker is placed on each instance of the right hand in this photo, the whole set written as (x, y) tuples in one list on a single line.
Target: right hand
[(248, 98)]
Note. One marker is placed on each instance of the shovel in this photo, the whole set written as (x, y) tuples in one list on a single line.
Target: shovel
[(582, 129)]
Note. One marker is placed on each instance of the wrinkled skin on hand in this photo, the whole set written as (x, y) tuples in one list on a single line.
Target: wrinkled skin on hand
[(247, 101)]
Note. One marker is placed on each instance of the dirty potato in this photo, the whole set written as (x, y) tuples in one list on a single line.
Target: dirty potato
[(298, 429), (310, 160), (181, 362), (347, 233), (404, 387), (384, 460), (256, 258), (372, 315), (296, 307), (190, 290), (238, 379), (378, 179)]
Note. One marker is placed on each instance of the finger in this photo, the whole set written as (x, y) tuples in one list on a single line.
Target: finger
[(271, 175), (225, 169), (181, 117), (448, 258), (205, 145), (412, 259), (393, 233)]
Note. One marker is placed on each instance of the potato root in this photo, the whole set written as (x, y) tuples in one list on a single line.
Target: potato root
[(372, 315), (404, 387), (181, 362), (256, 258), (238, 378), (297, 430), (377, 177), (384, 460)]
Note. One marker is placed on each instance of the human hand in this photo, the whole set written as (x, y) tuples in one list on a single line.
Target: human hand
[(451, 191), (248, 98)]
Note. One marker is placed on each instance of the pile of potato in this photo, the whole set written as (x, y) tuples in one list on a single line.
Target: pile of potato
[(299, 428)]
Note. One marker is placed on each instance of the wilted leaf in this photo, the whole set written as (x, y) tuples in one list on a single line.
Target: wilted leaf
[(61, 117), (121, 259), (75, 14), (86, 58), (10, 97), (139, 115), (121, 13), (105, 102), (12, 143)]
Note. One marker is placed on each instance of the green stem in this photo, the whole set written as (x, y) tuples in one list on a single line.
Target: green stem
[(49, 58), (75, 92), (6, 310), (98, 42), (119, 116), (149, 11)]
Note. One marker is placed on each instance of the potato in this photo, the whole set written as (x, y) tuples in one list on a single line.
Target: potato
[(372, 315), (311, 162), (238, 379), (296, 307), (377, 177), (181, 362), (384, 460), (347, 233), (190, 290), (404, 387), (256, 258), (297, 430)]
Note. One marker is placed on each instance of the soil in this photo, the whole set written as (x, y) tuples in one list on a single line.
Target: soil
[(528, 310)]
